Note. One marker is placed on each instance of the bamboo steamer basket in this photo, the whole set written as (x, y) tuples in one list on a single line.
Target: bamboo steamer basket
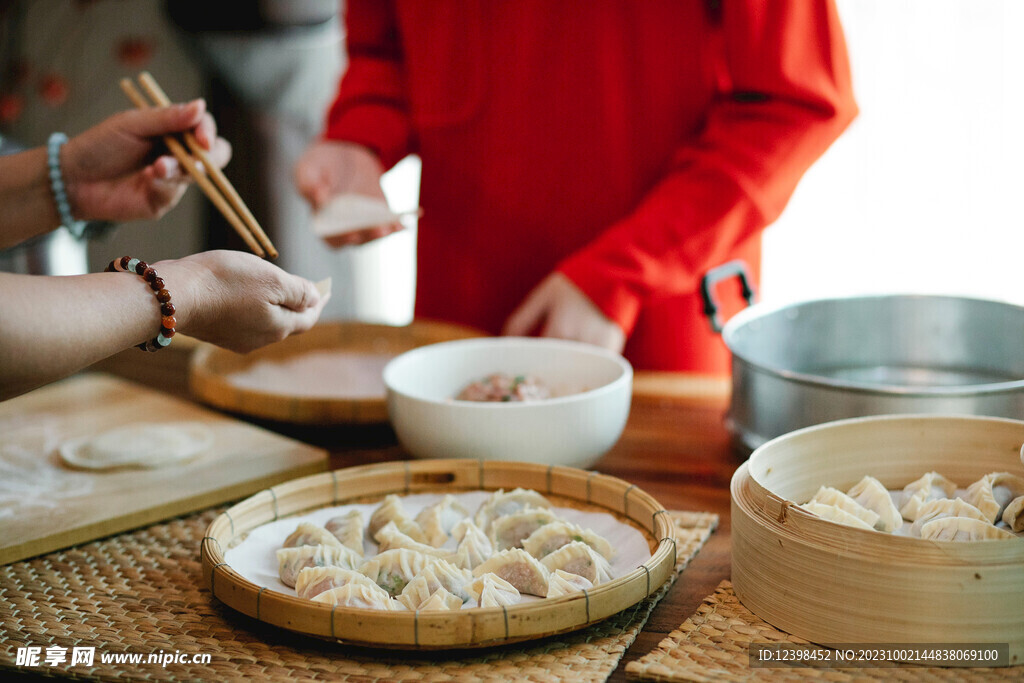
[(210, 367), (833, 584), (438, 630)]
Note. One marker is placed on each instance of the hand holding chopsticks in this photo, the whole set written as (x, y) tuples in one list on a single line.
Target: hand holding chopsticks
[(212, 182)]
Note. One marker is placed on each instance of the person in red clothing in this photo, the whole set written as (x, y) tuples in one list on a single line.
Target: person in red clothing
[(585, 163)]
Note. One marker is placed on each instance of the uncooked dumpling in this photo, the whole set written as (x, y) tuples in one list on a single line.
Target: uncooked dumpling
[(519, 568), (508, 531), (142, 445), (438, 520), (393, 569), (580, 559), (562, 583), (501, 503), (490, 590), (359, 595), (348, 529), (312, 581), (473, 543), (310, 534), (291, 561), (550, 537)]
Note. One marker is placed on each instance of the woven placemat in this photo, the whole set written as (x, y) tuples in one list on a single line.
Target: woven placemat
[(143, 593), (712, 645)]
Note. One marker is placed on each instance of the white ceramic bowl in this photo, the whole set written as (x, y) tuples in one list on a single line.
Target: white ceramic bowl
[(583, 421)]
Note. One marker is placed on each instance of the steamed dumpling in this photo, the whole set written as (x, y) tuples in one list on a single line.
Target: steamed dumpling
[(551, 537), (358, 595), (310, 534), (830, 496), (490, 590), (519, 568), (501, 503), (1013, 515), (930, 486), (508, 531), (944, 507), (312, 581), (579, 558), (870, 493), (962, 529), (348, 529), (562, 583), (438, 520), (837, 515), (290, 561), (993, 492)]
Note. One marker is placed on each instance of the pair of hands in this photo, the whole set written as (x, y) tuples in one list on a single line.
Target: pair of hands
[(556, 307), (118, 170)]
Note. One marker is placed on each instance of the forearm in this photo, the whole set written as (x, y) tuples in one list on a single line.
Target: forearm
[(51, 327), (27, 207)]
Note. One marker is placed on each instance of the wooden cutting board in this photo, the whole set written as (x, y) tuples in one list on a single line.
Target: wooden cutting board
[(46, 505)]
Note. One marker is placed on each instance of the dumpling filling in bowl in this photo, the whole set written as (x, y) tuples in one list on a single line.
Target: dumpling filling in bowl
[(502, 387)]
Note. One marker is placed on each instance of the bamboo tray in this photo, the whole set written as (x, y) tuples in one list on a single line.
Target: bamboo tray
[(210, 367), (469, 628), (833, 584)]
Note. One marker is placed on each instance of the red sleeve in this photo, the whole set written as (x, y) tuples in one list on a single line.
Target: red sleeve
[(788, 96), (371, 108)]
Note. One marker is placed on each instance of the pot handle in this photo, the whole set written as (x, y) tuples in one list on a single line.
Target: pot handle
[(711, 278)]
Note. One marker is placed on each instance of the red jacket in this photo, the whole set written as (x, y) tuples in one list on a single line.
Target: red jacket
[(631, 145)]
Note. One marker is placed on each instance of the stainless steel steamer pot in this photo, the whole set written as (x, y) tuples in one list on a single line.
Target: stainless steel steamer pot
[(811, 362)]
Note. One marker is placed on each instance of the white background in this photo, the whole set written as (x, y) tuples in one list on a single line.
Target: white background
[(922, 193)]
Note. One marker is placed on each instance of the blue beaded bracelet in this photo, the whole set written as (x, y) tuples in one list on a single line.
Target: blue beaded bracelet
[(60, 195)]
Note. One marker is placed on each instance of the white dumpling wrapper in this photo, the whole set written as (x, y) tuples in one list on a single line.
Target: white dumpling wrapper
[(143, 445)]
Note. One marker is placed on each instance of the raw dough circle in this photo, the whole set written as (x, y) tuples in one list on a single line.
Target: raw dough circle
[(141, 445)]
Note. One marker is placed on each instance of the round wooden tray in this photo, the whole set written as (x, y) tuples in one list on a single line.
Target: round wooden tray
[(834, 584), (435, 630), (210, 367)]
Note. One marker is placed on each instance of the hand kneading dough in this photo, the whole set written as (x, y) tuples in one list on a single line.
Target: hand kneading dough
[(143, 445)]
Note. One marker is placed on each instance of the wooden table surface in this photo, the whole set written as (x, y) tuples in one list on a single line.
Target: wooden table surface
[(674, 447)]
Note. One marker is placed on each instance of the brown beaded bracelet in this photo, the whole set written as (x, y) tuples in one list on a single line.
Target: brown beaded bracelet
[(127, 264)]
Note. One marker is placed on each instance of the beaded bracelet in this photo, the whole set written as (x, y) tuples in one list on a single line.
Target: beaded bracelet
[(60, 195), (127, 264)]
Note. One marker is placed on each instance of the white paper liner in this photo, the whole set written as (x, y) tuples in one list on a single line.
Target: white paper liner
[(255, 558)]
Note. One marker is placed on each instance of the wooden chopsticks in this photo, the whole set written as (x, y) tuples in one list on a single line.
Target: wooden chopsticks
[(228, 203)]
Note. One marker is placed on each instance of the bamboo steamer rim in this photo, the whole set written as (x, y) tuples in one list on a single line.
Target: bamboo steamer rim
[(210, 366), (471, 628)]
